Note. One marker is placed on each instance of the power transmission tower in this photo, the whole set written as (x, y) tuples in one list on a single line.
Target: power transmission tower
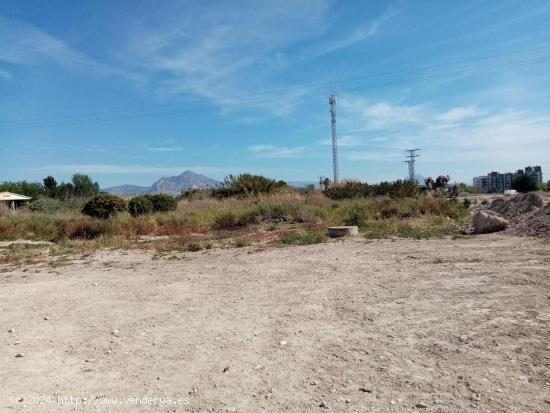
[(411, 158), (332, 103)]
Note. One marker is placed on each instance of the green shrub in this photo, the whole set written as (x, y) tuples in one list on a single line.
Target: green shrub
[(140, 205), (163, 202), (355, 189), (45, 204), (247, 184), (230, 220), (303, 239), (104, 206)]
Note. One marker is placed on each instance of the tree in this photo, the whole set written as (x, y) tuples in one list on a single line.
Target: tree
[(84, 186), (524, 183), (50, 183)]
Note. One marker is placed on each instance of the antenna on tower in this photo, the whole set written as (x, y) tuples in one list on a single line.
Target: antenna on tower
[(411, 158), (332, 103)]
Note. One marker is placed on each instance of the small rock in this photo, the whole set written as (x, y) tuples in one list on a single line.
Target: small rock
[(347, 401), (11, 330), (89, 360), (19, 355), (421, 405), (46, 318), (392, 401), (96, 284), (365, 390), (225, 369), (258, 366), (283, 343), (115, 333), (323, 404), (463, 338)]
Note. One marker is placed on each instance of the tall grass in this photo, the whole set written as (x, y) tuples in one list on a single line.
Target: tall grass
[(214, 215)]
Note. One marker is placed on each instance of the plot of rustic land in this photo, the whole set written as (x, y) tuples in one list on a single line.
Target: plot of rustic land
[(432, 325)]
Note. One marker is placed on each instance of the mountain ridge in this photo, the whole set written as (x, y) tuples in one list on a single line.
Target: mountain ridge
[(171, 185)]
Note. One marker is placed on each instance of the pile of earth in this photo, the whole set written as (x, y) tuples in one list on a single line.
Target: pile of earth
[(526, 214)]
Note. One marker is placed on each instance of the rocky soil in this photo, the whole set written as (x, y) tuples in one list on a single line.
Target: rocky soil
[(390, 326)]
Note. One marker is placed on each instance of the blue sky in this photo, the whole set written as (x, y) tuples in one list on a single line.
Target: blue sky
[(129, 91)]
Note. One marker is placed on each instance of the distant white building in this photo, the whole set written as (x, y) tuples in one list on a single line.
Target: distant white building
[(497, 182), (12, 199)]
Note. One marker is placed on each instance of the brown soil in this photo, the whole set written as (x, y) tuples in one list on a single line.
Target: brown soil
[(437, 326)]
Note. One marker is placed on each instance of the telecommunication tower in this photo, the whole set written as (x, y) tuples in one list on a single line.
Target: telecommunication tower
[(332, 103)]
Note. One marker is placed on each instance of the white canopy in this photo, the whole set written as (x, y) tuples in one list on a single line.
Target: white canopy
[(10, 196)]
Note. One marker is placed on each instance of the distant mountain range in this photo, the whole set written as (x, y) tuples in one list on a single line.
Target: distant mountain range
[(172, 185)]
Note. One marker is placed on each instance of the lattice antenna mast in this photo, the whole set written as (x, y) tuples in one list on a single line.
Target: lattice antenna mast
[(411, 158), (332, 103)]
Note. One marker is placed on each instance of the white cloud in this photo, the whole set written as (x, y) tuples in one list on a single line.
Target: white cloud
[(4, 74), (458, 114), (164, 149), (272, 151)]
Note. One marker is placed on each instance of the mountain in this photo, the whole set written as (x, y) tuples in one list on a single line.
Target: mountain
[(128, 190), (175, 185), (172, 185)]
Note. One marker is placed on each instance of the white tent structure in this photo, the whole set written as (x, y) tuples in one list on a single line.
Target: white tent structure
[(11, 199)]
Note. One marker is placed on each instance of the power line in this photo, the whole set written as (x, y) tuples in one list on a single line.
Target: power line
[(119, 114)]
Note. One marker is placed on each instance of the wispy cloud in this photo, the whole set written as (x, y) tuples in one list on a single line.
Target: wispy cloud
[(219, 53), (23, 43), (4, 74), (127, 169), (459, 113), (272, 151), (164, 149), (355, 36)]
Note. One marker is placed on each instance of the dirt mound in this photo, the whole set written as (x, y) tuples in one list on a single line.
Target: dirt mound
[(516, 205), (536, 224), (526, 213)]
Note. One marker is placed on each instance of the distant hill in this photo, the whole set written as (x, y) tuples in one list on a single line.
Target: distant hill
[(172, 185), (128, 190), (175, 185)]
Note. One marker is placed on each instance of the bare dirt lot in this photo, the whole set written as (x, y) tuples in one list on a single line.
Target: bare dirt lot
[(432, 325)]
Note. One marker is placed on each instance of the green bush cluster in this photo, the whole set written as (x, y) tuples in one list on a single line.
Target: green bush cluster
[(355, 189), (247, 184), (104, 206), (146, 204)]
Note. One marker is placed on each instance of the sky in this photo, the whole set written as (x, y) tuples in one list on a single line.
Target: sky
[(128, 91)]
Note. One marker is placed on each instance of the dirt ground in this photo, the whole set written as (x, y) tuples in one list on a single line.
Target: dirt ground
[(390, 326)]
